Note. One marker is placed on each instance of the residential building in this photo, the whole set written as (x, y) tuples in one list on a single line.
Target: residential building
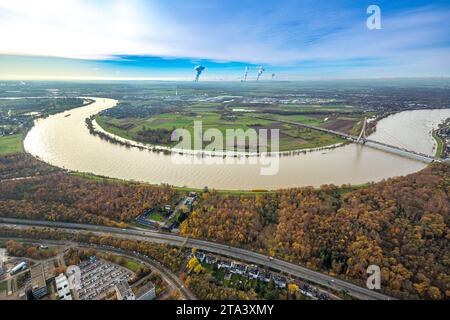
[(224, 264), (264, 276), (210, 259), (200, 256), (189, 202), (238, 268), (192, 194), (279, 281), (253, 272)]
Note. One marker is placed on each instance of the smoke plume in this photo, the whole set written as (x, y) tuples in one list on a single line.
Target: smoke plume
[(198, 69), (245, 74), (260, 72)]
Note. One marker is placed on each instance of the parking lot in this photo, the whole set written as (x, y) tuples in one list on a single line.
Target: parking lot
[(98, 277)]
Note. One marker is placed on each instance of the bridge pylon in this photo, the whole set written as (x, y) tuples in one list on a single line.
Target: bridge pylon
[(362, 134)]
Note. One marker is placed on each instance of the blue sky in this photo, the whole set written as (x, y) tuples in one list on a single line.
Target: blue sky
[(166, 39)]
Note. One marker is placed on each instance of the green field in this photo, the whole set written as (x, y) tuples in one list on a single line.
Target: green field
[(18, 115), (3, 286), (11, 144), (128, 263), (440, 145), (156, 216), (132, 265), (292, 137)]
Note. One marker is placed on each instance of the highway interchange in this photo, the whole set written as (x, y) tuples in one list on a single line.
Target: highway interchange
[(218, 248)]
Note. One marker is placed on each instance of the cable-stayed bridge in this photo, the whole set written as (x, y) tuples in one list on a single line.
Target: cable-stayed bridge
[(362, 139)]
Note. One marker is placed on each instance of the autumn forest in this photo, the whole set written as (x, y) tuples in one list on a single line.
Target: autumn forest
[(400, 224)]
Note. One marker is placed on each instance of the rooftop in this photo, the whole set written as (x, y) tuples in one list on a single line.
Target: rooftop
[(37, 276), (124, 291), (144, 289)]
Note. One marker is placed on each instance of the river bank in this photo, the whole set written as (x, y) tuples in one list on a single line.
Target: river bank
[(67, 143)]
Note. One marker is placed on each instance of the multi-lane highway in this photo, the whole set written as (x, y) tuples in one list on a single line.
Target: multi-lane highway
[(222, 249)]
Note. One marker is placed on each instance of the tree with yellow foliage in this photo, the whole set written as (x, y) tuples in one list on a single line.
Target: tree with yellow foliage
[(192, 263), (294, 291), (198, 269), (434, 293)]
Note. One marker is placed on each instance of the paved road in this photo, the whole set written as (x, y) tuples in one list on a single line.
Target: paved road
[(237, 253), (167, 275), (171, 278)]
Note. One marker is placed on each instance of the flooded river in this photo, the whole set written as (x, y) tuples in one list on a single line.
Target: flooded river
[(63, 140)]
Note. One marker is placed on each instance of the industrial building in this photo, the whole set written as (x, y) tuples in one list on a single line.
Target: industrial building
[(62, 287), (123, 291), (20, 267), (40, 274), (146, 292), (38, 285)]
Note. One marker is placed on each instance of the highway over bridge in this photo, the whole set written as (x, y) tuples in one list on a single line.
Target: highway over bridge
[(361, 139), (209, 246)]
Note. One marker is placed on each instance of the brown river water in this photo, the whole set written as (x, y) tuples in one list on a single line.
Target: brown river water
[(64, 141)]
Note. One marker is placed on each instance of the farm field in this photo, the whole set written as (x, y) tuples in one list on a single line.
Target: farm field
[(291, 137), (11, 144)]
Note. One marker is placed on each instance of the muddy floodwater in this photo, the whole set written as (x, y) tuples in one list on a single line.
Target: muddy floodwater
[(64, 141)]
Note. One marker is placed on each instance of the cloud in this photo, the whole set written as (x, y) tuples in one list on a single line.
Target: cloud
[(68, 28), (279, 33)]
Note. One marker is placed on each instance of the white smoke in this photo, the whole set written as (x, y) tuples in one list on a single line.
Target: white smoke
[(245, 74), (260, 72)]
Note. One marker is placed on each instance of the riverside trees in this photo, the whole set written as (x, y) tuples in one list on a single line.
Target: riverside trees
[(58, 196), (400, 224)]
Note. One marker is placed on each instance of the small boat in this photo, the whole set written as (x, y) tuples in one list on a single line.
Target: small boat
[(67, 115)]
